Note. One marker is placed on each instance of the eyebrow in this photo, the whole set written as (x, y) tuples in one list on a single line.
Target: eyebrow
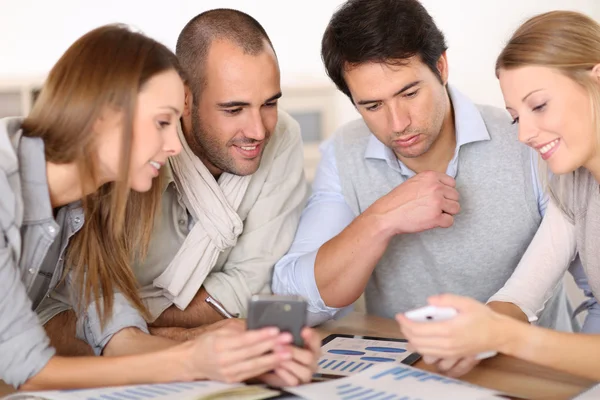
[(530, 93), (231, 104), (175, 110), (404, 89)]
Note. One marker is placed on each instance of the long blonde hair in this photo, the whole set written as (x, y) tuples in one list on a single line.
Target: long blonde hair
[(106, 67), (568, 42)]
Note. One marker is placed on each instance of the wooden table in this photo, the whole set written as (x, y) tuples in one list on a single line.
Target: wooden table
[(507, 374), (503, 373)]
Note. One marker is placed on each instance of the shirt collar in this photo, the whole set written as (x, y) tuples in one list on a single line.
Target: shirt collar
[(469, 127)]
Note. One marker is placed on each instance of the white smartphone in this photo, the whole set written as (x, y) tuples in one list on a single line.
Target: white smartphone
[(437, 314)]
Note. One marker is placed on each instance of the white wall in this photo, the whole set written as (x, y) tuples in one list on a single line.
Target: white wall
[(34, 33)]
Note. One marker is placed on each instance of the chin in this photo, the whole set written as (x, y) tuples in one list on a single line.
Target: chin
[(141, 185)]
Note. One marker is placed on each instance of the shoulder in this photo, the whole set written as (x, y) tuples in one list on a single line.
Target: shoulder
[(352, 133), (497, 120), (9, 171)]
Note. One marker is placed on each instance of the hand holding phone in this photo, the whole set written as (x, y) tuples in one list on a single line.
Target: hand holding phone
[(437, 314), (288, 313)]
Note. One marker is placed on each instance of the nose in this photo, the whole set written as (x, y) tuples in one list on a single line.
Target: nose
[(527, 132), (172, 144), (255, 128), (399, 119)]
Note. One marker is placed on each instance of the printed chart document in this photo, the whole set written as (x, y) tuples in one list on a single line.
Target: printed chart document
[(591, 394), (200, 390), (394, 382), (345, 356)]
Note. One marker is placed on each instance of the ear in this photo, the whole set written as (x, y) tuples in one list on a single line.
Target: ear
[(442, 66), (188, 104), (596, 72)]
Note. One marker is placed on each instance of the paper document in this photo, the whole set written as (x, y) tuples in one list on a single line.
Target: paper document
[(592, 393), (200, 390), (394, 382), (347, 356)]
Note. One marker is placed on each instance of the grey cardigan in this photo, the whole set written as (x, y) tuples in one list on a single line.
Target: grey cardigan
[(32, 244)]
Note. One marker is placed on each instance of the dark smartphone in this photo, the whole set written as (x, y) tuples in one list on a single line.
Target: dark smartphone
[(288, 313)]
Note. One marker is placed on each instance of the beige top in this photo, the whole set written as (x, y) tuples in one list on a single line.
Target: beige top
[(270, 211)]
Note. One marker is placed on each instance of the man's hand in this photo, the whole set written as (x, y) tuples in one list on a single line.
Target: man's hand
[(427, 200), (301, 367), (452, 367), (229, 355)]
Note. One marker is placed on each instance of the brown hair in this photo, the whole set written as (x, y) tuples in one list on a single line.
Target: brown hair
[(201, 31), (568, 42), (105, 68)]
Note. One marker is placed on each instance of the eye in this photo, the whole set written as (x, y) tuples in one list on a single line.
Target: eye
[(163, 124), (271, 104), (541, 107), (411, 94), (233, 111), (374, 107), (515, 121)]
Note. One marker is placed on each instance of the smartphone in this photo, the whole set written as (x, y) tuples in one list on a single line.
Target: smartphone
[(288, 313)]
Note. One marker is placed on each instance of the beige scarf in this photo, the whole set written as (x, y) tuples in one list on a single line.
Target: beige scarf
[(214, 208)]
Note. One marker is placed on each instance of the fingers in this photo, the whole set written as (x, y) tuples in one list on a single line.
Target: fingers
[(429, 360), (450, 193), (255, 350), (437, 330), (445, 220), (462, 367), (301, 373), (451, 207), (311, 341), (441, 177), (245, 339), (240, 371)]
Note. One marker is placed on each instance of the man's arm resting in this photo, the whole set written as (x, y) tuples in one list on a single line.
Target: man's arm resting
[(61, 331), (196, 314)]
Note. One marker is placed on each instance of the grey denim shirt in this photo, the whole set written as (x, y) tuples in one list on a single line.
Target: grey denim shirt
[(32, 247)]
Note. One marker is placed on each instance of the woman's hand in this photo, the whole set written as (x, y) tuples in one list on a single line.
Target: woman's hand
[(476, 328)]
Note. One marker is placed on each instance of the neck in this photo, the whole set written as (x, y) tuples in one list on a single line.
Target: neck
[(64, 184), (593, 166), (441, 151)]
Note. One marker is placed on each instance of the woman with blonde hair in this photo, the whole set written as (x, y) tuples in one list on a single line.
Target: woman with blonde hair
[(549, 73), (100, 131)]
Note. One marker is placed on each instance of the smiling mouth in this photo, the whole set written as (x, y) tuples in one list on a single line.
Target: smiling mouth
[(249, 151), (546, 148)]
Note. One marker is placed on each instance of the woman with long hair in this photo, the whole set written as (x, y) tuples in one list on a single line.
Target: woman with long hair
[(70, 172), (549, 73)]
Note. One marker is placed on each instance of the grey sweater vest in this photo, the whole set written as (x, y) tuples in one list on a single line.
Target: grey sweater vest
[(499, 217)]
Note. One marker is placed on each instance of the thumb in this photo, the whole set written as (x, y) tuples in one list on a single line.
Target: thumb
[(459, 303)]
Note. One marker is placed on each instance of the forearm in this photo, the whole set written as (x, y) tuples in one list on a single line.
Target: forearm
[(197, 313), (82, 372), (131, 341), (345, 263), (508, 309), (61, 331), (577, 354)]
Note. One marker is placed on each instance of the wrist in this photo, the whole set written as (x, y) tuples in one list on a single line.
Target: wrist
[(512, 335), (181, 364), (377, 225)]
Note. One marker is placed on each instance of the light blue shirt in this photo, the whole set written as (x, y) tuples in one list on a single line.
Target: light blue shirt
[(327, 213)]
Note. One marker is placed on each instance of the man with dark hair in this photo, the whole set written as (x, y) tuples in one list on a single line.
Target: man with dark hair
[(427, 193), (232, 199)]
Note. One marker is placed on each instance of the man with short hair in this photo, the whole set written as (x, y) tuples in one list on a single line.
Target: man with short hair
[(426, 193)]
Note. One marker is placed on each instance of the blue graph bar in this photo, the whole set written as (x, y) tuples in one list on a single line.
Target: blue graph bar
[(329, 364), (392, 371), (348, 365), (368, 366), (357, 367), (390, 397), (359, 395), (338, 365), (352, 389), (123, 395), (137, 394), (345, 385), (168, 388), (377, 396), (323, 361), (108, 397)]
